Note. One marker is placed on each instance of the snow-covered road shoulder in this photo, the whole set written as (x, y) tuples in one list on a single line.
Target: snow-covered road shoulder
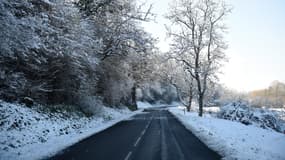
[(28, 134), (234, 140)]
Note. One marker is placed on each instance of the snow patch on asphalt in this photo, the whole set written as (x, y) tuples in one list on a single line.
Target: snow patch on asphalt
[(29, 134), (234, 140)]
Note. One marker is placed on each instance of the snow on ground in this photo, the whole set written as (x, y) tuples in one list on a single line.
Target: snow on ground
[(234, 140), (211, 109), (29, 134), (144, 105), (195, 107), (280, 112)]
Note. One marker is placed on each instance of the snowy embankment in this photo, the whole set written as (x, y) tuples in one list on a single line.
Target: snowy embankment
[(26, 133), (234, 140)]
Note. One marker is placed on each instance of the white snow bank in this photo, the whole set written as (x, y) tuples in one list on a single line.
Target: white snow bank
[(144, 105), (28, 134), (234, 140), (211, 109), (195, 107)]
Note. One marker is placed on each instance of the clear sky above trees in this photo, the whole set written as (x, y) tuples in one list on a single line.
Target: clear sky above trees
[(256, 42)]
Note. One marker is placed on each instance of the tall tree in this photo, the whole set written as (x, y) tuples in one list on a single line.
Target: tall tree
[(118, 24), (123, 41), (197, 31)]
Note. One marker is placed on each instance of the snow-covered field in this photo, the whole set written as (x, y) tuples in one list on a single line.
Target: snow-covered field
[(29, 134), (234, 140)]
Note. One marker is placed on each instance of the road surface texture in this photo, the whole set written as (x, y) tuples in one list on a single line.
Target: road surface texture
[(153, 135)]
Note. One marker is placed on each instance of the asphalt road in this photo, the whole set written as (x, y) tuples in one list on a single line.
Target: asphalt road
[(153, 135)]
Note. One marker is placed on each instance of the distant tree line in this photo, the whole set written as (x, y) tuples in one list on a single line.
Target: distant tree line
[(273, 96)]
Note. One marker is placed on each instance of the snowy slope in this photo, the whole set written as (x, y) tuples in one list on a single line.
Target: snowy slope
[(29, 134), (234, 140)]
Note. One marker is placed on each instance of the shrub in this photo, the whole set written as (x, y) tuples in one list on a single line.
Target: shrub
[(242, 112), (90, 105)]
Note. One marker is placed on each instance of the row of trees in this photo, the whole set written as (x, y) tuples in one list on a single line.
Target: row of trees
[(62, 51), (273, 96), (72, 51)]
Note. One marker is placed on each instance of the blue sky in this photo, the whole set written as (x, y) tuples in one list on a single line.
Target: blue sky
[(256, 39)]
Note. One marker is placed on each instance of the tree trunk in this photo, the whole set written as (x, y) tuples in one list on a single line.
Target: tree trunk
[(200, 94), (190, 103), (190, 97), (200, 99), (134, 97)]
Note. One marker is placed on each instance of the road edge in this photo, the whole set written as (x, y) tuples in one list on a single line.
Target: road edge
[(107, 125), (202, 138)]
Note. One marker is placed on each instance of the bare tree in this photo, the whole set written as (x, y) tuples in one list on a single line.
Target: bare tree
[(179, 78), (197, 31)]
